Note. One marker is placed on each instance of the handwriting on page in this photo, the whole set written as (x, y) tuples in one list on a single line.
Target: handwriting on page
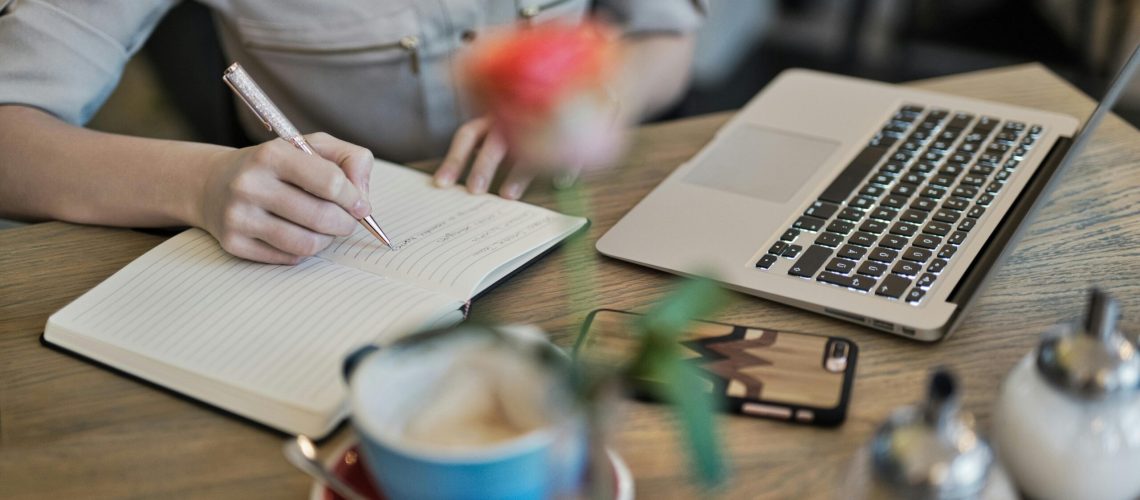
[(447, 239)]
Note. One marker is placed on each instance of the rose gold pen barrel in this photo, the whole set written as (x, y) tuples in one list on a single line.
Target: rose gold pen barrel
[(251, 94)]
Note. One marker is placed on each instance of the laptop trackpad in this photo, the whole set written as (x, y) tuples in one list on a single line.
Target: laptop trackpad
[(762, 162)]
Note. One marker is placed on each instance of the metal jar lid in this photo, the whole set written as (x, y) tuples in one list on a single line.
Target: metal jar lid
[(932, 451), (1092, 360)]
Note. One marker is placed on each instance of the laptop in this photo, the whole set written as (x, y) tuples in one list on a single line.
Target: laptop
[(868, 202)]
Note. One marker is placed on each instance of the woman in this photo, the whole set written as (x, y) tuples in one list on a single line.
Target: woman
[(376, 76)]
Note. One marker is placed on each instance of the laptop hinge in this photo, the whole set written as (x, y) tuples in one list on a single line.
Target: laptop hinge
[(1005, 236)]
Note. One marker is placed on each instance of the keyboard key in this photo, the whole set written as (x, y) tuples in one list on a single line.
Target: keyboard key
[(790, 235), (942, 181), (981, 170), (883, 140), (872, 191), (861, 203), (967, 192), (852, 252), (990, 158), (933, 193), (1035, 130), (913, 178), (1006, 137), (870, 268), (975, 212), (993, 187), (840, 226), (893, 241), (986, 123), (926, 280), (862, 239), (904, 229), (851, 214), (958, 204), (829, 239), (857, 282), (924, 204), (778, 248), (941, 145), (822, 209), (892, 168), (938, 114), (873, 226), (985, 199), (885, 255), (947, 251), (913, 216), (951, 170), (892, 286), (967, 224), (927, 241), (960, 120), (1011, 164), (946, 215), (957, 238), (911, 110), (849, 178), (766, 261), (792, 251), (808, 223), (882, 179), (905, 190), (924, 167), (841, 266), (937, 228), (883, 213), (917, 254), (914, 296), (1003, 175), (811, 261), (936, 266), (907, 268), (973, 180), (894, 201)]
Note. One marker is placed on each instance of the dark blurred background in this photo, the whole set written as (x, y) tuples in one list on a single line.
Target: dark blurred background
[(748, 42), (744, 44)]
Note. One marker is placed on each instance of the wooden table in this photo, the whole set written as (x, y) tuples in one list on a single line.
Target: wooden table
[(70, 429)]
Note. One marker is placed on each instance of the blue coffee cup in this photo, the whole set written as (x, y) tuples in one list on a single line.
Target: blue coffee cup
[(387, 385)]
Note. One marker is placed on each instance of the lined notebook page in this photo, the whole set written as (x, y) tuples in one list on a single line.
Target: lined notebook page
[(447, 240), (280, 332)]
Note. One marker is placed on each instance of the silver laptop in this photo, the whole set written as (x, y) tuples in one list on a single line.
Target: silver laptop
[(873, 203)]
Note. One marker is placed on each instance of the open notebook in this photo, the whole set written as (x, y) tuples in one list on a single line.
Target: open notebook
[(266, 342)]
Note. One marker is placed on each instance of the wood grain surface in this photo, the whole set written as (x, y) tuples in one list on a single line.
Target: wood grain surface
[(72, 429)]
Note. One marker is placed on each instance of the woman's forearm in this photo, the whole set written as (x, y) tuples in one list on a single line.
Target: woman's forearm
[(52, 170), (655, 74)]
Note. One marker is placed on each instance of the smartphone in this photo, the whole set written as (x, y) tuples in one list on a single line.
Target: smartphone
[(760, 372)]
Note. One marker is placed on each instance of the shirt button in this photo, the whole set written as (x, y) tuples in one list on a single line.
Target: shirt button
[(468, 36)]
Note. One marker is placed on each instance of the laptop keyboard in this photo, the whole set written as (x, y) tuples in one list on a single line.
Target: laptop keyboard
[(892, 221)]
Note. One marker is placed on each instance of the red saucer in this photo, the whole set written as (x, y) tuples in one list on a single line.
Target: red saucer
[(349, 466)]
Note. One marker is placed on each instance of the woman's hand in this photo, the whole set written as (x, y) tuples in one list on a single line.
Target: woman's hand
[(478, 142), (274, 203)]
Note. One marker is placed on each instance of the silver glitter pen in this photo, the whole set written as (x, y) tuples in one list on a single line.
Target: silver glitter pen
[(252, 95)]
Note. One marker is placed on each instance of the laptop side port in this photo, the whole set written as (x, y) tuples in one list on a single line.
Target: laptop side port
[(883, 325), (844, 314)]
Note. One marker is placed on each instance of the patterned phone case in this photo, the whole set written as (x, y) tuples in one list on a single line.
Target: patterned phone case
[(761, 372)]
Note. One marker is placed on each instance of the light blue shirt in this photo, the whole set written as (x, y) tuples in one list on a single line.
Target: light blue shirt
[(379, 73)]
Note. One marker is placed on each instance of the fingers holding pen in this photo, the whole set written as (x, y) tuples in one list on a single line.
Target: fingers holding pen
[(317, 176), (273, 203), (355, 161)]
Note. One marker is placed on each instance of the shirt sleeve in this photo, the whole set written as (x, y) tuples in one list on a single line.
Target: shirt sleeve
[(655, 16), (66, 56)]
